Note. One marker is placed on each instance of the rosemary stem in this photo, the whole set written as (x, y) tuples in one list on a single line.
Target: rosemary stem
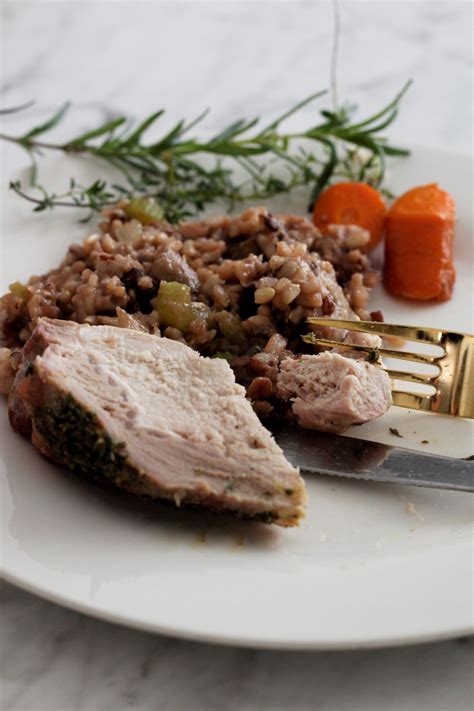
[(172, 169), (28, 143)]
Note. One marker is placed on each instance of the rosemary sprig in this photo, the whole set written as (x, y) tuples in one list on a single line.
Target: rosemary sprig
[(171, 168)]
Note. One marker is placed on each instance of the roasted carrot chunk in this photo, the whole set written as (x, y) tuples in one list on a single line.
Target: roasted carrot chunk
[(419, 244), (352, 204)]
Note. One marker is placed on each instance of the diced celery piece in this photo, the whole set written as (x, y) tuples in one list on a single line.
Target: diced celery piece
[(174, 291), (178, 316), (145, 209), (20, 290), (175, 307), (231, 328)]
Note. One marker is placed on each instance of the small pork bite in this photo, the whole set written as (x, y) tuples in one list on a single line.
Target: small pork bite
[(330, 392)]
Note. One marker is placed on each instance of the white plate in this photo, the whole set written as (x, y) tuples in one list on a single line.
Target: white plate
[(362, 570)]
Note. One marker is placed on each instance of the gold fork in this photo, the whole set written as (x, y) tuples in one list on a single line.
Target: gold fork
[(454, 383)]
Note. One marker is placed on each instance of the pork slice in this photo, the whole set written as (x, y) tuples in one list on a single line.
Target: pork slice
[(330, 392), (152, 416)]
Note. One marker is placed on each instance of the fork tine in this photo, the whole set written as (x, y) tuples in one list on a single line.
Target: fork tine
[(409, 333), (411, 377), (387, 352), (411, 400)]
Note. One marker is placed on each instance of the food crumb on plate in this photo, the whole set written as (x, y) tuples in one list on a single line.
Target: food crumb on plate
[(394, 431), (410, 508)]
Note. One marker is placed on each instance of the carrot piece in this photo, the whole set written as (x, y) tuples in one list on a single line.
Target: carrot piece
[(419, 244), (352, 204)]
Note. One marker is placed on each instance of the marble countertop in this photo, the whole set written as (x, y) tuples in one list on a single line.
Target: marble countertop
[(237, 57), (57, 660)]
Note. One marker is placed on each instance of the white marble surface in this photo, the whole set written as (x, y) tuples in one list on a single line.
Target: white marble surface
[(251, 58), (57, 660)]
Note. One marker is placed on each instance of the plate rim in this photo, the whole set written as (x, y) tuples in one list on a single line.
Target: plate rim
[(67, 602)]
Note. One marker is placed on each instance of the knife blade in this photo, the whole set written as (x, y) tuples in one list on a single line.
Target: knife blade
[(333, 455)]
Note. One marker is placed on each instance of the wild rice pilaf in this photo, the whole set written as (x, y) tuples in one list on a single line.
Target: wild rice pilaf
[(239, 288)]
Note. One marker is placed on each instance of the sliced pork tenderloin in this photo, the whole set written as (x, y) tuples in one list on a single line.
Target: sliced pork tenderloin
[(154, 417), (330, 392)]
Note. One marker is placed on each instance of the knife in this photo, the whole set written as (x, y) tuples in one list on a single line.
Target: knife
[(323, 453)]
